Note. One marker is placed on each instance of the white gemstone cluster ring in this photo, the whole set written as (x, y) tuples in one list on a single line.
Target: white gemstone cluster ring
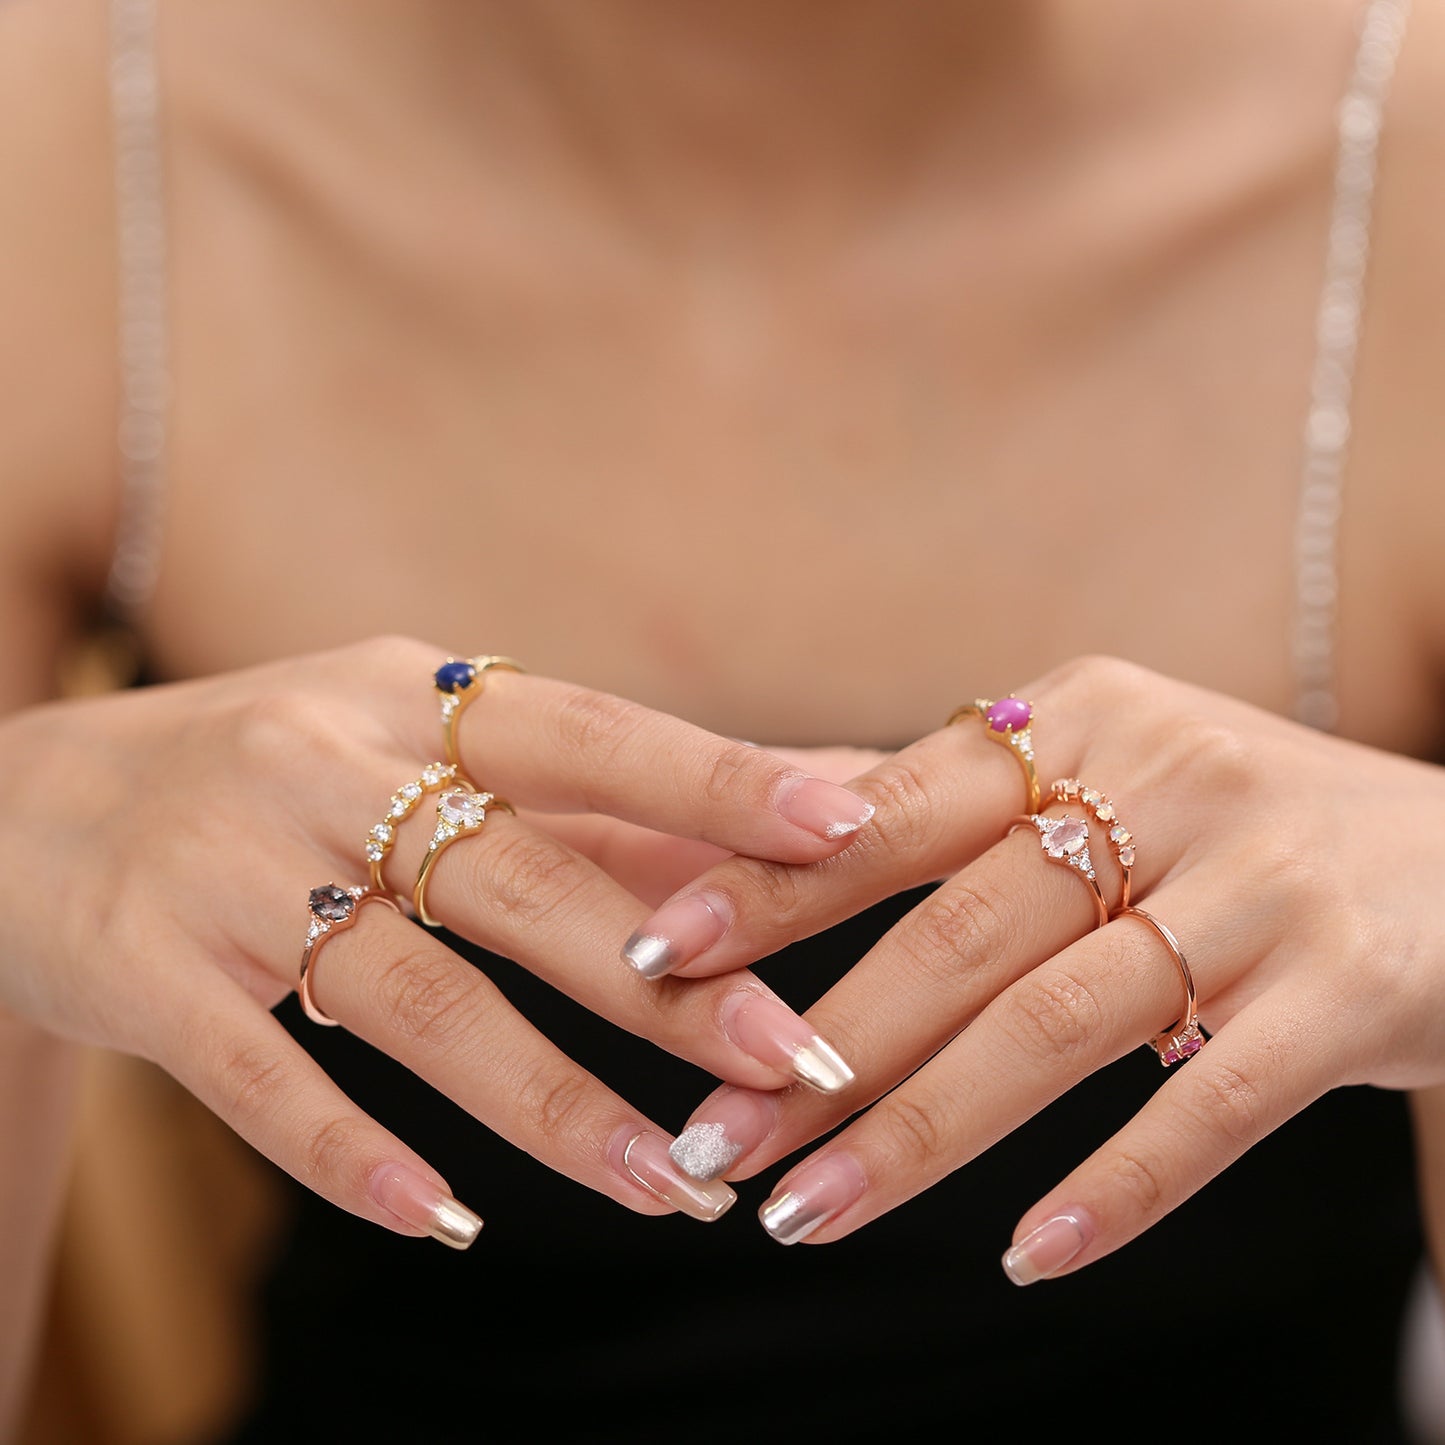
[(461, 811), (403, 802)]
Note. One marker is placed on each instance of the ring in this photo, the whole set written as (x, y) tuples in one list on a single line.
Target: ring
[(458, 681), (1066, 840), (460, 812), (1183, 1038), (1121, 840), (1008, 721), (403, 801), (333, 910)]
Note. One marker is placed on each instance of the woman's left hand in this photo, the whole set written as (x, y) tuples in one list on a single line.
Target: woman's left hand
[(1294, 872)]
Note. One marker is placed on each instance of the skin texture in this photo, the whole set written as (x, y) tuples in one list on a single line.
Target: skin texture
[(862, 388)]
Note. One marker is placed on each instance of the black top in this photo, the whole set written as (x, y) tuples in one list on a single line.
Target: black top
[(1272, 1301)]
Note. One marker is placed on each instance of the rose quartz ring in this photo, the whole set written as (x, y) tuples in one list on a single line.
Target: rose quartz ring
[(1066, 841), (1008, 721)]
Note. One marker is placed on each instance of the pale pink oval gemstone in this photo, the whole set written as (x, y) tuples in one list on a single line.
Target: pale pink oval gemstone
[(1009, 712), (1067, 837), (461, 807)]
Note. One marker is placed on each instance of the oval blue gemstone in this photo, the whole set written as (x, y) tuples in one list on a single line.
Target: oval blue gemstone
[(452, 676)]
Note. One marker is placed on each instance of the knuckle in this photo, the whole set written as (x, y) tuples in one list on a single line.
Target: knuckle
[(253, 1079), (774, 889), (905, 813), (1138, 1179), (297, 726), (555, 1099), (596, 725), (916, 1125), (528, 874), (1231, 1103), (426, 996), (330, 1150), (1054, 1014), (964, 923), (729, 772)]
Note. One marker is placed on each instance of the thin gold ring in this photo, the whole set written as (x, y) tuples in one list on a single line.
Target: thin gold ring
[(1066, 841), (333, 910), (457, 682), (1184, 1037), (1009, 722), (461, 811), (382, 836), (1121, 840)]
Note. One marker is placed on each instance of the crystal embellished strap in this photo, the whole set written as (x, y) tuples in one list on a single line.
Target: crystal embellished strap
[(1337, 330)]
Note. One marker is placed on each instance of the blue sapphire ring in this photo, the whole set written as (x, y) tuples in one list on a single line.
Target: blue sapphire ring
[(457, 682)]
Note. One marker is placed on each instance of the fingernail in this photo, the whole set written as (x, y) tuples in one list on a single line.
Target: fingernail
[(773, 1034), (680, 930), (824, 809), (818, 1192), (725, 1127), (416, 1201), (645, 1158), (1045, 1250)]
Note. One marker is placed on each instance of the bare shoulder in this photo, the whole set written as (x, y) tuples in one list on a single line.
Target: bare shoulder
[(57, 345), (1397, 486)]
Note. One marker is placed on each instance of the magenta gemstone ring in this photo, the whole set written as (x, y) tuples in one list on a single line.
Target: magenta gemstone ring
[(1184, 1038), (1008, 721)]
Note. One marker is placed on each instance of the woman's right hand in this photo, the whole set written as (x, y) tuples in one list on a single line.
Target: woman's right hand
[(161, 844)]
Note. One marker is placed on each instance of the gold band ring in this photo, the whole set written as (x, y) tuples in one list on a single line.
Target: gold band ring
[(458, 681), (380, 839), (1121, 840), (1008, 721), (460, 813), (1066, 841), (333, 910), (1183, 1038)]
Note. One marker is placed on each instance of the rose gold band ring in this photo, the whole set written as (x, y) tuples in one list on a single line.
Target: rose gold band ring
[(1009, 722), (461, 811), (1101, 810), (1183, 1038), (458, 681), (1066, 841), (333, 910)]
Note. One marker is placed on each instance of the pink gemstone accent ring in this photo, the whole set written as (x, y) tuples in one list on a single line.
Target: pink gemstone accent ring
[(1009, 722), (1121, 840), (1184, 1038), (1066, 841)]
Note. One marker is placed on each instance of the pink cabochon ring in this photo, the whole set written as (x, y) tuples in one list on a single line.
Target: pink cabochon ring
[(1008, 722)]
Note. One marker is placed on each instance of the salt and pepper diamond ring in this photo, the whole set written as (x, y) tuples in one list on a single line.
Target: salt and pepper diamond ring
[(1183, 1038), (1009, 721), (461, 811), (1066, 841), (458, 681), (1121, 840), (333, 910), (403, 802)]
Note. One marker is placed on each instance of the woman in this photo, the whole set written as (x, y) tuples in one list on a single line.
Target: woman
[(797, 375)]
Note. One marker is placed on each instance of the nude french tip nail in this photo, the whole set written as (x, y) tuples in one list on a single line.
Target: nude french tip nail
[(416, 1200), (768, 1030), (1045, 1250), (646, 1159), (816, 1193), (827, 810), (677, 933)]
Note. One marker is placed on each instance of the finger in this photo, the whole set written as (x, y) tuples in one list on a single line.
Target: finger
[(391, 983), (1266, 1065), (239, 1061), (556, 747), (522, 893)]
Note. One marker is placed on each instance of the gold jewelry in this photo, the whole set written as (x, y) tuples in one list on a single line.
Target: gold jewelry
[(461, 812), (380, 839), (1184, 1037), (1066, 841), (1121, 840), (457, 682), (1008, 721), (333, 910)]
